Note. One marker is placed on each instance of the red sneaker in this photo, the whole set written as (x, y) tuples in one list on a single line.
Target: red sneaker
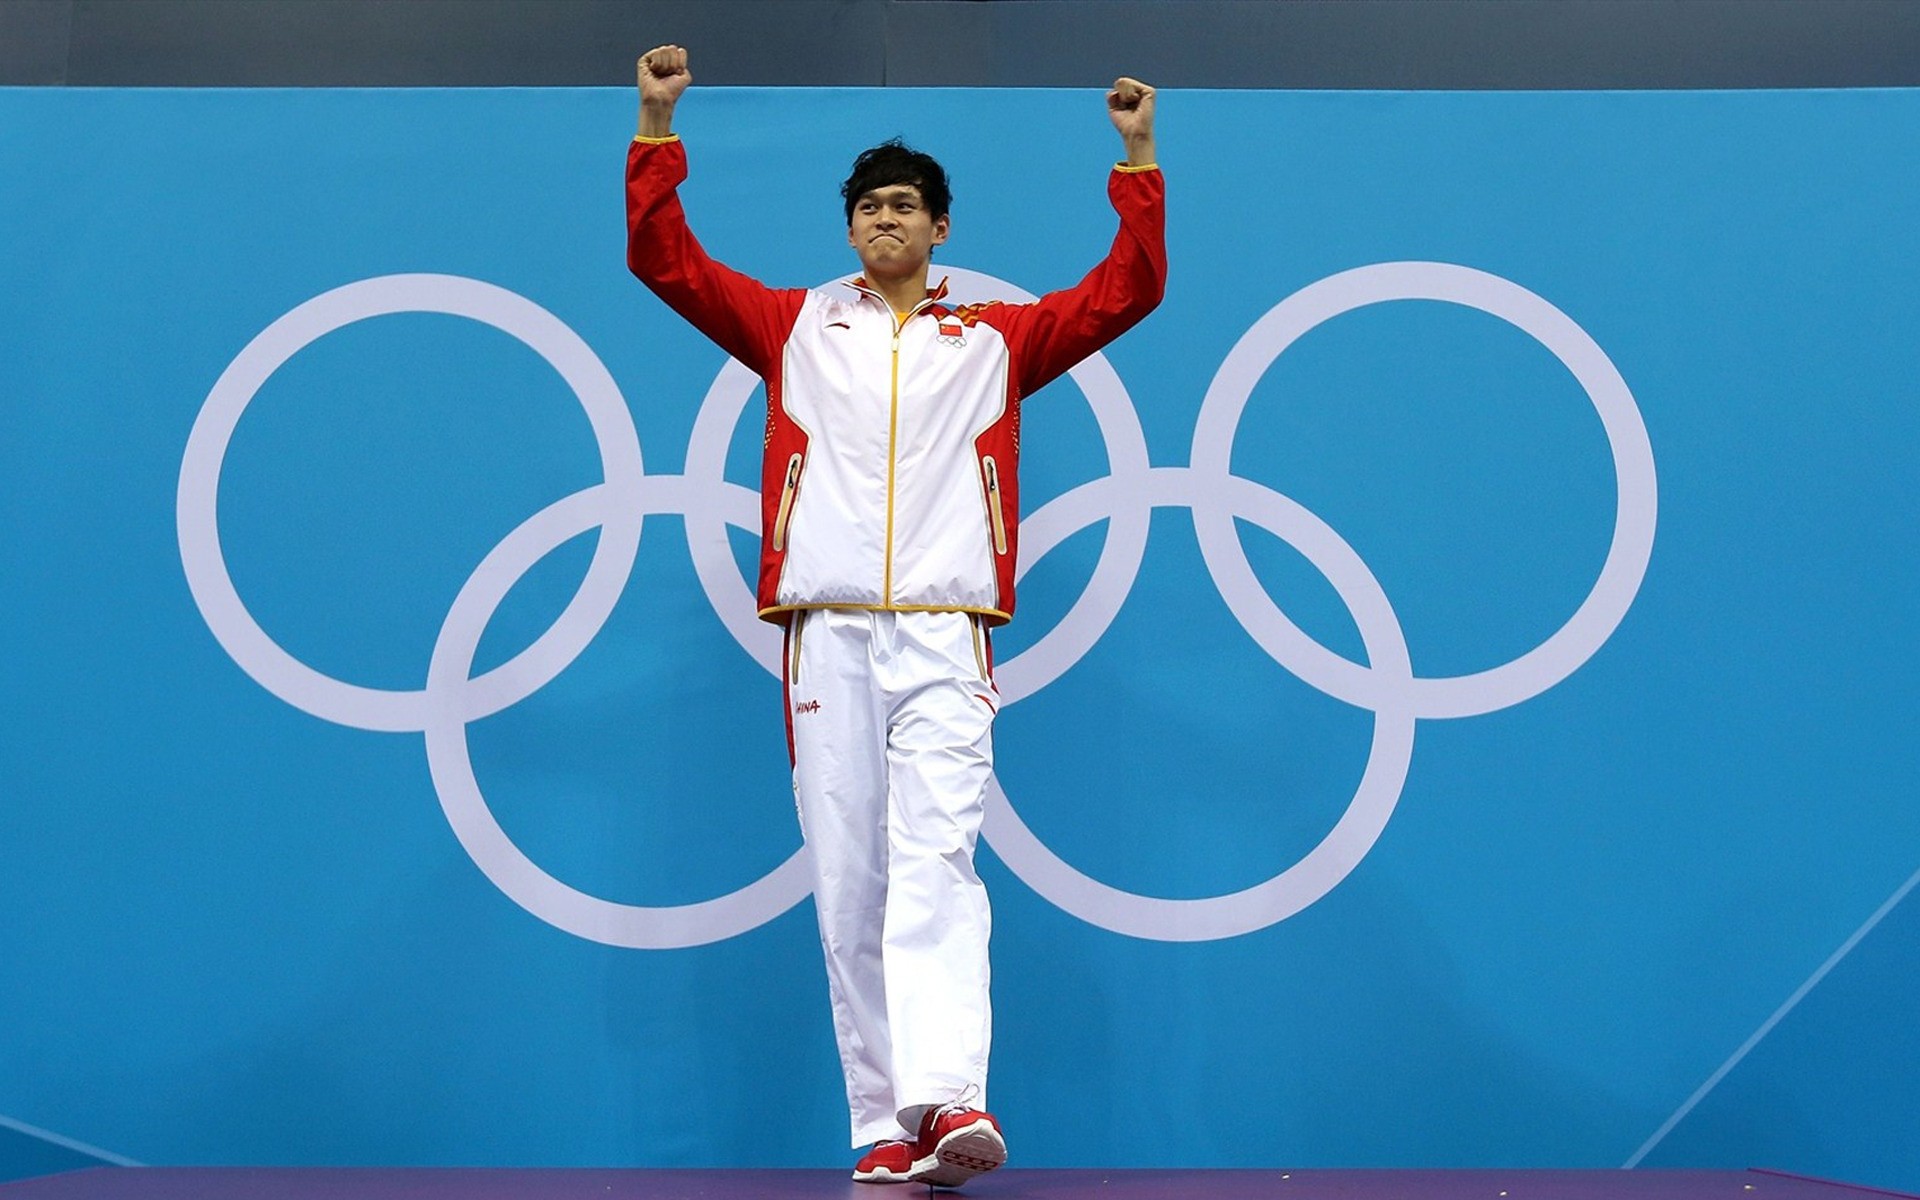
[(887, 1162), (957, 1143)]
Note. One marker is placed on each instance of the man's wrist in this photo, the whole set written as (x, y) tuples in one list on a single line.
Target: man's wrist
[(656, 120), (1140, 152)]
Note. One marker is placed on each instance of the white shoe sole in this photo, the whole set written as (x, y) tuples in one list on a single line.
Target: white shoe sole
[(971, 1150)]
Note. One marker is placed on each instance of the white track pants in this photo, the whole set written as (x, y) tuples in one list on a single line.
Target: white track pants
[(892, 717)]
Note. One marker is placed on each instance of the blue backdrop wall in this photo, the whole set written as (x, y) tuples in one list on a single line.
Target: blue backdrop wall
[(1459, 713)]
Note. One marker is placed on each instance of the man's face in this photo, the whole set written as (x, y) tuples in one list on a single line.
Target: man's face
[(892, 232)]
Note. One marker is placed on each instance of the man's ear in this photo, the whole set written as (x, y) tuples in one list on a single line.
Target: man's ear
[(850, 241), (941, 228)]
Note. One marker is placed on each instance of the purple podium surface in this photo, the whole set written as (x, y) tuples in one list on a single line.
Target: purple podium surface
[(424, 1183)]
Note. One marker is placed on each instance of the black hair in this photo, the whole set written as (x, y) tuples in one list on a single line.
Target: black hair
[(893, 162)]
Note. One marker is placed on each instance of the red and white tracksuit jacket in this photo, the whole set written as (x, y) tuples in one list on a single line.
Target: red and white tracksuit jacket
[(889, 529), (890, 478)]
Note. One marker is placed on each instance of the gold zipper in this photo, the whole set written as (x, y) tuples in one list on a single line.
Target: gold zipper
[(893, 439), (786, 504), (993, 505), (893, 433), (799, 623)]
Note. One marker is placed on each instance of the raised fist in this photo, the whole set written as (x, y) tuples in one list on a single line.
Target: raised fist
[(1130, 105), (663, 75)]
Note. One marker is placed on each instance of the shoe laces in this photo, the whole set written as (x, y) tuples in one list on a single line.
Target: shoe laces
[(962, 1102)]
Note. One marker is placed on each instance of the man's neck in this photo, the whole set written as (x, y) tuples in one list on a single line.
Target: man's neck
[(903, 294)]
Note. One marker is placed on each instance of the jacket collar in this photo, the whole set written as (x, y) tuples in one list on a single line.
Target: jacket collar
[(859, 284)]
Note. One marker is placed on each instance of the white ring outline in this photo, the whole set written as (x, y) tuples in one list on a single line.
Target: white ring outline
[(614, 923), (1636, 495), (196, 511), (1340, 850)]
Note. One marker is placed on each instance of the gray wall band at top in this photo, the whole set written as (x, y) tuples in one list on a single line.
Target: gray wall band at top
[(1393, 44)]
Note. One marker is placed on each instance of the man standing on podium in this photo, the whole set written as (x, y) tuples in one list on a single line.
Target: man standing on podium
[(889, 533)]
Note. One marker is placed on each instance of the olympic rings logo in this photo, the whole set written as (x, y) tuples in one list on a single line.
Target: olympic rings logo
[(1385, 686)]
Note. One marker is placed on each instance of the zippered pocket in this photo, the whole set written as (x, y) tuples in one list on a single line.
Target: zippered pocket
[(796, 623), (979, 655), (994, 513), (785, 514)]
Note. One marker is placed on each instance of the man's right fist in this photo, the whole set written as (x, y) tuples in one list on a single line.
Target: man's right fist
[(663, 75)]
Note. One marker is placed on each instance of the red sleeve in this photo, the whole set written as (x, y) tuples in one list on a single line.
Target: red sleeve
[(1048, 337), (748, 319)]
